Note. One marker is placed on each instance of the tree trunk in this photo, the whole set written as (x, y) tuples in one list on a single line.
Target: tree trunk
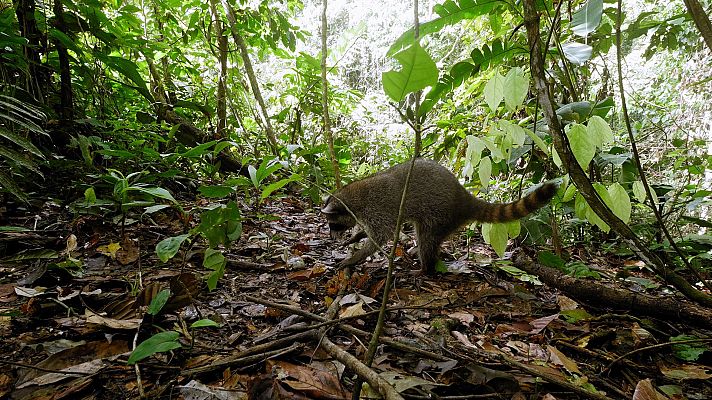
[(38, 75), (702, 20), (325, 98), (221, 100), (271, 138), (65, 89), (578, 176)]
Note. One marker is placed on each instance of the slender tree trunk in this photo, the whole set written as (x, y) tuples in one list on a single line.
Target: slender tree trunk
[(578, 176), (65, 89), (325, 97), (418, 123), (221, 100), (271, 137), (702, 20), (38, 75)]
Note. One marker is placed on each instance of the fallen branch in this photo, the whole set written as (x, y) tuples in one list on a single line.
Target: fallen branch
[(376, 381), (584, 290), (253, 354)]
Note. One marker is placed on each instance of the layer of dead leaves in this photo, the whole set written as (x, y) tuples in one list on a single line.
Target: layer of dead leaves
[(69, 322)]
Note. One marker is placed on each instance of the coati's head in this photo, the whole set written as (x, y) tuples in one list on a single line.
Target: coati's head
[(338, 217)]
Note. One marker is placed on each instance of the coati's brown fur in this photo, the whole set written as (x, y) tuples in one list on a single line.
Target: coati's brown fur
[(436, 203)]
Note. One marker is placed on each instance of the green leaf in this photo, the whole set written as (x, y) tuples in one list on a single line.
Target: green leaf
[(158, 343), (577, 53), (620, 202), (21, 141), (215, 261), (90, 195), (514, 228), (569, 194), (154, 208), (575, 315), (516, 87), (494, 91), (591, 215), (598, 128), (221, 225), (65, 40), (7, 183), (199, 150), (688, 351), (581, 207), (267, 191), (484, 171), (496, 237), (582, 145), (155, 192), (449, 12), (639, 191), (514, 131), (202, 323), (473, 154), (418, 72), (586, 19), (159, 301), (539, 142), (19, 159), (550, 259), (128, 69), (167, 248)]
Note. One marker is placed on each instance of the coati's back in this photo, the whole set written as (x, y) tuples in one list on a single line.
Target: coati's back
[(435, 194)]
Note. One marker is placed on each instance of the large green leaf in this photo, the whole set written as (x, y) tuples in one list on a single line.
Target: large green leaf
[(221, 225), (485, 171), (7, 183), (167, 248), (158, 343), (17, 158), (577, 53), (215, 261), (496, 236), (599, 129), (620, 202), (639, 191), (591, 215), (65, 40), (21, 141), (418, 72), (494, 91), (449, 12), (587, 18), (128, 69), (155, 192), (582, 145), (516, 87), (269, 189)]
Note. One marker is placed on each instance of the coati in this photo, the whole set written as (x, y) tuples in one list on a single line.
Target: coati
[(436, 203)]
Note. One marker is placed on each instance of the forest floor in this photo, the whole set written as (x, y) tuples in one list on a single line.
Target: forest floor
[(485, 330)]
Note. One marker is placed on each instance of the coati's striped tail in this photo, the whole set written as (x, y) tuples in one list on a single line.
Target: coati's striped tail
[(495, 212)]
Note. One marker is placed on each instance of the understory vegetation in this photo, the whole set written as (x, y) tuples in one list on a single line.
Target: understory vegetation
[(163, 164)]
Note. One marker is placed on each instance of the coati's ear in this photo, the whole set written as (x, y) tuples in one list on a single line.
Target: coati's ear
[(330, 207)]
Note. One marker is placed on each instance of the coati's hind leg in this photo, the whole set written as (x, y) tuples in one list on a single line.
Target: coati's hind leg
[(429, 240)]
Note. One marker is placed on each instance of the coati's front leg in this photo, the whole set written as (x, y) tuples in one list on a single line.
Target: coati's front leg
[(356, 237), (374, 242)]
